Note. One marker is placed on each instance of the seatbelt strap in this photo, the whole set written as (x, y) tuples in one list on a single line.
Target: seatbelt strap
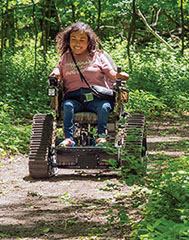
[(80, 73)]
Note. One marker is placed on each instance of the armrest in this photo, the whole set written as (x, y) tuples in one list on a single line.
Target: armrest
[(122, 96)]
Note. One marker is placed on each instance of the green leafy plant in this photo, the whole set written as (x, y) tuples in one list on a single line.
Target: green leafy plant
[(145, 102), (158, 78), (166, 213), (14, 138)]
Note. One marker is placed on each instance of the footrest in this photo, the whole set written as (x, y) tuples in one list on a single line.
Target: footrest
[(83, 157)]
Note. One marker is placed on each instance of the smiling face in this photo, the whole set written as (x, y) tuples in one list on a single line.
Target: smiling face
[(79, 42)]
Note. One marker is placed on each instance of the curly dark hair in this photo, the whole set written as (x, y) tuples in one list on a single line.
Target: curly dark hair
[(63, 38)]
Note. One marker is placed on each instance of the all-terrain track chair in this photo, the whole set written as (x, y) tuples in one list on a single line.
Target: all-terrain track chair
[(126, 137)]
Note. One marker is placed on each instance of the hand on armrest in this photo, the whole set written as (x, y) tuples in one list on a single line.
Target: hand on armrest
[(56, 73)]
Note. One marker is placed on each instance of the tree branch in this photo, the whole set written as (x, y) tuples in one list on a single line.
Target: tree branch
[(152, 31), (170, 18), (157, 18), (106, 26)]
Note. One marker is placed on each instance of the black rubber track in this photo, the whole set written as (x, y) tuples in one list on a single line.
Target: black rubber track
[(135, 147), (40, 143)]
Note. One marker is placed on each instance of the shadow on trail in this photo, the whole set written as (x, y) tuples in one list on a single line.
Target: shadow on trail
[(71, 174), (33, 218)]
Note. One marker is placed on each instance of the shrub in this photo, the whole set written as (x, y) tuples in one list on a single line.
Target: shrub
[(13, 138), (166, 213), (24, 84), (155, 71), (145, 102)]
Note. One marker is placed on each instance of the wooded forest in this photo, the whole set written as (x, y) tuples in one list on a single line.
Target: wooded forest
[(149, 39)]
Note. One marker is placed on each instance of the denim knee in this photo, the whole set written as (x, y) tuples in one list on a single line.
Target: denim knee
[(68, 105), (106, 107)]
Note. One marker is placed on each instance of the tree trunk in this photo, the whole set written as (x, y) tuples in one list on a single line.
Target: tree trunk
[(73, 11), (35, 32), (49, 29), (44, 25), (7, 28), (99, 15), (11, 28), (182, 25), (131, 30), (2, 37)]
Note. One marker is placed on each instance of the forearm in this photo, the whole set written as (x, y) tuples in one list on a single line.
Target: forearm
[(55, 72), (113, 75)]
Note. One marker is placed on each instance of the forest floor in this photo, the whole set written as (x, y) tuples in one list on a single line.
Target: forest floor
[(74, 204)]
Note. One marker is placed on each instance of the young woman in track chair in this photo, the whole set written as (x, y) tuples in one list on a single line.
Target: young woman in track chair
[(77, 45)]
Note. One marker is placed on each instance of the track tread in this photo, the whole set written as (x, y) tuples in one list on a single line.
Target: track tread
[(40, 143), (134, 135)]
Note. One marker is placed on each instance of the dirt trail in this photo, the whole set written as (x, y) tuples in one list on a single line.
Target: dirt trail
[(72, 204), (68, 206)]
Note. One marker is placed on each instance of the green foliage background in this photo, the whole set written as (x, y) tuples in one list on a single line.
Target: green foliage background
[(158, 84)]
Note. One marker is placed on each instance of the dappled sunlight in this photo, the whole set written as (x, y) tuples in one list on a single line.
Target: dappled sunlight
[(78, 204), (168, 138)]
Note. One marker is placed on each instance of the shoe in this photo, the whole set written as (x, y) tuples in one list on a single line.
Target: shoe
[(100, 141), (67, 143)]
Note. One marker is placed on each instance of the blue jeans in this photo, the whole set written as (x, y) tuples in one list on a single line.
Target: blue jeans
[(99, 106)]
